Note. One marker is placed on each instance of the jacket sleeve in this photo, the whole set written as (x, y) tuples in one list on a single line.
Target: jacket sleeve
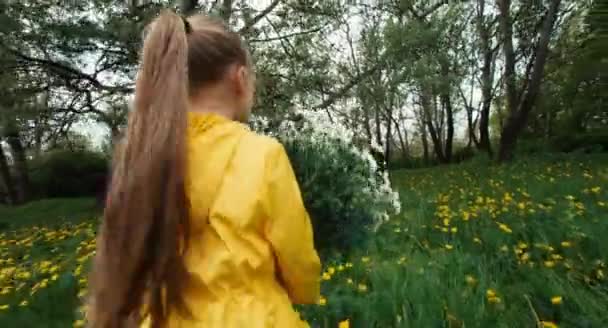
[(289, 230)]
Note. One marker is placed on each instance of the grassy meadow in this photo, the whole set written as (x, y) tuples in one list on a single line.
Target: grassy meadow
[(476, 245)]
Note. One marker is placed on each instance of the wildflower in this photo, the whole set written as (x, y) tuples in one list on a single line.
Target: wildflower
[(521, 205), (362, 288), (465, 216), (326, 276), (548, 324), (449, 247), (349, 281), (4, 307), (556, 300), (490, 293), (24, 303), (340, 267), (504, 248), (477, 240), (492, 297), (365, 259), (470, 280), (78, 323), (331, 270), (348, 265), (23, 275), (322, 301), (344, 324), (596, 190), (505, 228), (549, 264), (566, 244)]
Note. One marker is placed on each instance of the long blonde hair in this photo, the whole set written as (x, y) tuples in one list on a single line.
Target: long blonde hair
[(139, 270)]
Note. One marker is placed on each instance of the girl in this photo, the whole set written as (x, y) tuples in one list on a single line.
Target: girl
[(204, 224)]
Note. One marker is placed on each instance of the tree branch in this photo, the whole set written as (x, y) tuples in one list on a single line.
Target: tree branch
[(248, 25), (286, 36)]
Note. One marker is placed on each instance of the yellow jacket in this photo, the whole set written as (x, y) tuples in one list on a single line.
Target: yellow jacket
[(251, 252)]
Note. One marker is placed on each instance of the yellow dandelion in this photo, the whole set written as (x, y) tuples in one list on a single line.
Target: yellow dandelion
[(322, 301), (362, 287), (344, 324), (490, 293), (505, 228), (326, 276), (549, 264), (78, 323), (566, 244), (556, 300), (470, 280), (331, 270), (549, 324), (494, 299)]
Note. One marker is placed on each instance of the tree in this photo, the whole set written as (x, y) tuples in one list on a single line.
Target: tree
[(520, 100)]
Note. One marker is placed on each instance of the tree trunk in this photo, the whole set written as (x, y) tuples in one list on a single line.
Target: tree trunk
[(366, 123), (5, 175), (435, 137), (21, 171), (447, 103), (378, 126), (402, 140), (226, 10), (519, 109), (387, 146), (425, 142), (187, 7), (487, 79), (471, 129)]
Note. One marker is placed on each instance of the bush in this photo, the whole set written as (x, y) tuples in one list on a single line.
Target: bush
[(583, 142), (65, 173), (343, 189)]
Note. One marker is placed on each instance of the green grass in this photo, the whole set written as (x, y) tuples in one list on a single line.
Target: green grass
[(47, 211), (476, 245)]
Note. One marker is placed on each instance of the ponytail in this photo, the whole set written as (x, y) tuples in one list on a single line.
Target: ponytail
[(139, 271)]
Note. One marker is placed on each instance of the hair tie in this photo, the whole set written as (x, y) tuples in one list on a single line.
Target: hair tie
[(187, 25)]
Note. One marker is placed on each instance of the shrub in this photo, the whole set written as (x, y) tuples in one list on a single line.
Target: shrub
[(583, 142), (65, 173), (345, 193)]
